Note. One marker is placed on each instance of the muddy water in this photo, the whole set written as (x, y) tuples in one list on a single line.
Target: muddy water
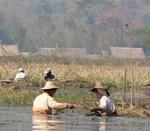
[(20, 119)]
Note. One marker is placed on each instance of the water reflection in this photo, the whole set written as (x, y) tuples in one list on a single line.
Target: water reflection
[(74, 123), (102, 125), (45, 122), (21, 119)]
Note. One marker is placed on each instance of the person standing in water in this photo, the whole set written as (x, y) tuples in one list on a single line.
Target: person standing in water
[(45, 103), (106, 106)]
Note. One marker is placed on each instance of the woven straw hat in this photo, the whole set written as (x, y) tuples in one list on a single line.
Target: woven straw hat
[(100, 85), (47, 70), (49, 85), (101, 88), (21, 69)]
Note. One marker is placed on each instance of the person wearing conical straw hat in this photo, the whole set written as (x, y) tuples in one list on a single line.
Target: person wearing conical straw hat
[(106, 106), (45, 103)]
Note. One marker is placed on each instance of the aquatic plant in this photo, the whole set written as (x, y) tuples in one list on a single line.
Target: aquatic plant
[(73, 75), (17, 97)]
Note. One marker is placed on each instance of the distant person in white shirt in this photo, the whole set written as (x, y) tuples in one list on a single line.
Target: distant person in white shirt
[(106, 106), (21, 75)]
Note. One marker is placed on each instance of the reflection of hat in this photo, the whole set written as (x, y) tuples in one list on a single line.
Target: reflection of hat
[(49, 85), (21, 69), (101, 88)]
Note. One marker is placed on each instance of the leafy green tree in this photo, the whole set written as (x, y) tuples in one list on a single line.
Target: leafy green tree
[(4, 37), (143, 34)]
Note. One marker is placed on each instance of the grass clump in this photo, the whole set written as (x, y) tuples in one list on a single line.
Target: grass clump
[(17, 97)]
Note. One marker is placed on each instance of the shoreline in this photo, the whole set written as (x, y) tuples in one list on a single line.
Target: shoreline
[(134, 112), (26, 97)]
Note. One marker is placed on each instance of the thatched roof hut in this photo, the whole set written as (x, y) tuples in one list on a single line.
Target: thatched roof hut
[(126, 52), (9, 50), (73, 52), (47, 51)]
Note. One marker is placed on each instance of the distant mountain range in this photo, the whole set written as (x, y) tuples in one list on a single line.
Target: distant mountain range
[(92, 24)]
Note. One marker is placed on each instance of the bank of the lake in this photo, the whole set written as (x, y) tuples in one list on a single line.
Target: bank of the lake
[(11, 97)]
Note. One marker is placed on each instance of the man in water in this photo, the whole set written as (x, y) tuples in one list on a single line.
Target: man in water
[(106, 106), (45, 103), (21, 75)]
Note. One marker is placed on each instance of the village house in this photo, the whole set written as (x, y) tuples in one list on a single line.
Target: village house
[(126, 52), (60, 52), (9, 50)]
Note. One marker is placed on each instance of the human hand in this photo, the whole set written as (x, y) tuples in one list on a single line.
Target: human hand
[(92, 109), (69, 105), (104, 114)]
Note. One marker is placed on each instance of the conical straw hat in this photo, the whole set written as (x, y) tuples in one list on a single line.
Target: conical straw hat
[(100, 85), (101, 88), (20, 69), (49, 85)]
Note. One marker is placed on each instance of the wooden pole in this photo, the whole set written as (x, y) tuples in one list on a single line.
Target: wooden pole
[(124, 87), (131, 97), (131, 65)]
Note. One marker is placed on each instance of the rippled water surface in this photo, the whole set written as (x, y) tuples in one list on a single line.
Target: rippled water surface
[(21, 119)]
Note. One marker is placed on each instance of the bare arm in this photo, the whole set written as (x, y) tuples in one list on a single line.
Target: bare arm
[(61, 106), (96, 109), (56, 105)]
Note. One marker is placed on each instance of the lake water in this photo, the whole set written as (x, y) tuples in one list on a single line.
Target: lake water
[(21, 119)]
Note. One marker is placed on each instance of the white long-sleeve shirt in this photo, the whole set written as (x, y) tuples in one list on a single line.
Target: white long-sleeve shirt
[(21, 76), (106, 104)]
